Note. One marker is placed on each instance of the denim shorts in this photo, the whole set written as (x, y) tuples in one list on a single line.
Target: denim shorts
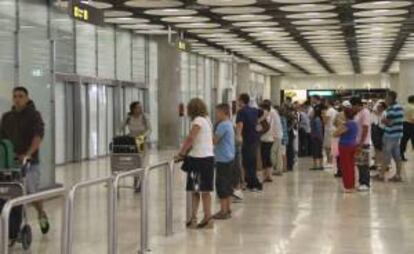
[(391, 149), (32, 180)]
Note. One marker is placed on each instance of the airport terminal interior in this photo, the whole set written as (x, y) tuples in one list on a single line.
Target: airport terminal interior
[(99, 71)]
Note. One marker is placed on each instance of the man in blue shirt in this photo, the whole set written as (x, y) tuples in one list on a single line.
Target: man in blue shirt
[(224, 152), (246, 122), (393, 133)]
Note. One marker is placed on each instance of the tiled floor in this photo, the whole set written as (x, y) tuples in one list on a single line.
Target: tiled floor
[(301, 212)]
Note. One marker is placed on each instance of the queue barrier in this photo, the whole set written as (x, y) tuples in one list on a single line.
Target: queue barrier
[(28, 199), (71, 211), (68, 211)]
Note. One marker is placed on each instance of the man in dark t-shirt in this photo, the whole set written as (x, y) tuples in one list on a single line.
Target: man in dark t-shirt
[(247, 119)]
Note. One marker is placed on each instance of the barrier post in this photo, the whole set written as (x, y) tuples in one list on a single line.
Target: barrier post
[(71, 211), (169, 199), (28, 199)]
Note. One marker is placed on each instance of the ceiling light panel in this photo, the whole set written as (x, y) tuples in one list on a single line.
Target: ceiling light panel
[(315, 22), (153, 3), (114, 13), (312, 15), (380, 12), (185, 19), (255, 24), (382, 5), (237, 10), (246, 17), (198, 25), (307, 7), (98, 4), (226, 2), (170, 12), (126, 20)]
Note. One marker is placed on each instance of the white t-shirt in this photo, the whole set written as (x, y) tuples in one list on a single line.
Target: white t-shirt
[(331, 114), (203, 142), (268, 136), (277, 128), (363, 118)]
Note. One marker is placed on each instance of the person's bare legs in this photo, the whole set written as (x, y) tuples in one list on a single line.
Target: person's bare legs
[(195, 205), (206, 199), (328, 155), (39, 208)]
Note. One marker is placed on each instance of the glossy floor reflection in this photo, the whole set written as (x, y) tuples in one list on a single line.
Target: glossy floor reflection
[(301, 212)]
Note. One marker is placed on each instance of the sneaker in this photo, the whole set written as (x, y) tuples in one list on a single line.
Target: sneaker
[(44, 223), (238, 195), (363, 188), (222, 216)]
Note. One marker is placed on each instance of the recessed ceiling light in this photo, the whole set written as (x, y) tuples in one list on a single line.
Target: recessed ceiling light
[(97, 4), (126, 20), (382, 4), (226, 2), (307, 15), (381, 12), (170, 12), (247, 17), (255, 24), (238, 10), (153, 3), (198, 25), (185, 19), (113, 14), (142, 26), (307, 7)]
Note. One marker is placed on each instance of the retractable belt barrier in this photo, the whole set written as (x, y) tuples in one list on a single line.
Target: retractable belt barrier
[(68, 211)]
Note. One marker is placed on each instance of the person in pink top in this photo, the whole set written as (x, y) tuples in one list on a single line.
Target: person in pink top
[(363, 119)]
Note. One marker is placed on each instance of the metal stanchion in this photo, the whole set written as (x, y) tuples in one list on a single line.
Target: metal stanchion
[(24, 200), (111, 215), (169, 199)]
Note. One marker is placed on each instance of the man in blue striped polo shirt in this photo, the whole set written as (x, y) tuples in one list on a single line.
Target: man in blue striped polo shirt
[(393, 133)]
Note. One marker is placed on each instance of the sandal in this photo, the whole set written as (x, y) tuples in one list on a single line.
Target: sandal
[(206, 224), (222, 216), (191, 223), (396, 179)]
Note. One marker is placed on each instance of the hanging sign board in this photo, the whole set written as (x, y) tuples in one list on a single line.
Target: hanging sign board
[(85, 13)]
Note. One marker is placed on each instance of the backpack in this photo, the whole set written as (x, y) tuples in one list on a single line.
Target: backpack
[(7, 155)]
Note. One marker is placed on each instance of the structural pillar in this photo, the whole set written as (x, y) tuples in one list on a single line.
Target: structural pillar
[(275, 89), (405, 85), (169, 94), (243, 78)]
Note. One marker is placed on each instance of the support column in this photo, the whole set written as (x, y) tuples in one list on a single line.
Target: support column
[(405, 86), (275, 88), (169, 94), (243, 78)]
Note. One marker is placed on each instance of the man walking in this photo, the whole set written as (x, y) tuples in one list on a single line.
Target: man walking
[(24, 127), (246, 122)]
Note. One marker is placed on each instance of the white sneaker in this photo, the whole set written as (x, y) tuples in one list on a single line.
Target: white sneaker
[(363, 188), (238, 196)]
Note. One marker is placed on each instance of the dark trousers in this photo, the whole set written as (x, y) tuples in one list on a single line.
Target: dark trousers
[(249, 159), (304, 140), (290, 151), (408, 135)]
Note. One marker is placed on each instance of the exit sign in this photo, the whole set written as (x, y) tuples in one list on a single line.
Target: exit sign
[(86, 13)]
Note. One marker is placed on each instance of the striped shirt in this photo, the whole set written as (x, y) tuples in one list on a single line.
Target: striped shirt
[(394, 113)]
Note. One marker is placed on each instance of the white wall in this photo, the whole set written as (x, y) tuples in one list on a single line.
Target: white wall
[(337, 82)]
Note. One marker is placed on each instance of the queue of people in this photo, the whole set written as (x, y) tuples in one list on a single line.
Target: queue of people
[(231, 153)]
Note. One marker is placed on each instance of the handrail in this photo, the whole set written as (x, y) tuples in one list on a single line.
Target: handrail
[(24, 200), (71, 211), (118, 177), (144, 201)]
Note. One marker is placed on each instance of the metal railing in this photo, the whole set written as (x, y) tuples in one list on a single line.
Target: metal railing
[(68, 211), (70, 205), (144, 232), (28, 199)]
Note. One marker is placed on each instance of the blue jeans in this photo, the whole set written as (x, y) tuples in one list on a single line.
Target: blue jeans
[(391, 150)]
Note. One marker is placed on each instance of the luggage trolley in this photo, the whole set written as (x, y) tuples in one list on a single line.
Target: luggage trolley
[(127, 153), (12, 185)]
